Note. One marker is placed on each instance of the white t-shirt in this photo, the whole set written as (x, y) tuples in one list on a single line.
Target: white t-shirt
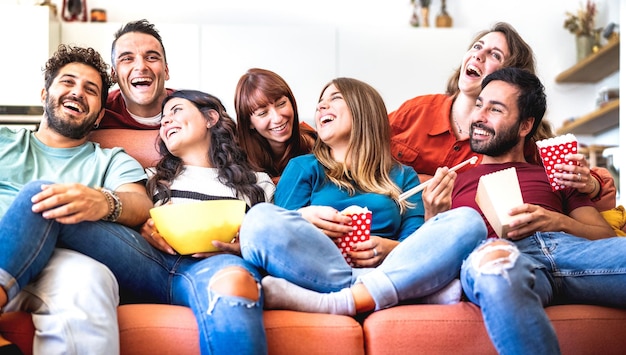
[(200, 183)]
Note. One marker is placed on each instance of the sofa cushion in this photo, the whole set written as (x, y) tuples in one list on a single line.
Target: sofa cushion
[(586, 329), (157, 329), (459, 329), (290, 332), (167, 329), (427, 329)]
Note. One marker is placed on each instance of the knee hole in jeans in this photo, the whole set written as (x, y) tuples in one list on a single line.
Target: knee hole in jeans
[(495, 257), (235, 281)]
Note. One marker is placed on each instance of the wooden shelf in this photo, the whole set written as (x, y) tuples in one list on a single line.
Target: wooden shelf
[(595, 67), (600, 120)]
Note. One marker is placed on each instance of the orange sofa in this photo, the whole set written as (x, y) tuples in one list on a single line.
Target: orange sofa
[(406, 329)]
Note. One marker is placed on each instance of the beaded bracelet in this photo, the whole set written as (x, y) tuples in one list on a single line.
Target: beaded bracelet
[(596, 188), (114, 202)]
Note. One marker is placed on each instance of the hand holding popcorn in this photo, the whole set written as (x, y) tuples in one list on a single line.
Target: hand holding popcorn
[(553, 151), (361, 224)]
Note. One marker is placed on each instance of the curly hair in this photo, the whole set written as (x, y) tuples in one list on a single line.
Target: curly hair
[(67, 54), (225, 154)]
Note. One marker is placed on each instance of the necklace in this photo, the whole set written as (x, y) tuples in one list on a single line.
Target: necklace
[(458, 126)]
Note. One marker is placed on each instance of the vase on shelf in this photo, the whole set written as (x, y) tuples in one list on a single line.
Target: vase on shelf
[(584, 46), (443, 19), (425, 14)]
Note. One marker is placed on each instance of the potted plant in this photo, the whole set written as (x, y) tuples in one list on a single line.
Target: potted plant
[(582, 25)]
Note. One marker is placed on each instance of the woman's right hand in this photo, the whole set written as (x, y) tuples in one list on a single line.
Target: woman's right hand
[(330, 221), (437, 196), (151, 234)]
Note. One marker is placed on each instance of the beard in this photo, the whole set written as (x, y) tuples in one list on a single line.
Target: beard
[(66, 127), (498, 144)]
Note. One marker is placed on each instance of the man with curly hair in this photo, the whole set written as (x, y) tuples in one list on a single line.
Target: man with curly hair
[(76, 188)]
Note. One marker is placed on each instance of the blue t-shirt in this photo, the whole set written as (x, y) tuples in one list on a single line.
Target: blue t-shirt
[(304, 183), (24, 158)]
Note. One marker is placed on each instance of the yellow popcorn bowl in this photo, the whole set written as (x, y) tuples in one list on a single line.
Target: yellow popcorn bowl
[(191, 227)]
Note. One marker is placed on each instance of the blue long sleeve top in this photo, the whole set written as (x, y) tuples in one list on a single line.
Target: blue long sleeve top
[(304, 183)]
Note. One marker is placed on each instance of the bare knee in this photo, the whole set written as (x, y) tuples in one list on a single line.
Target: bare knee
[(495, 257), (235, 281)]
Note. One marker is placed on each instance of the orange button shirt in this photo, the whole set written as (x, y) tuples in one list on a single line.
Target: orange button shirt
[(422, 137)]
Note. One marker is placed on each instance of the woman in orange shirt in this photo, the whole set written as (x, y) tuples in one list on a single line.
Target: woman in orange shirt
[(432, 131)]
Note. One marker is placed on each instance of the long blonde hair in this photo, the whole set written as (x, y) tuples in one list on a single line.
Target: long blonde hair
[(369, 149)]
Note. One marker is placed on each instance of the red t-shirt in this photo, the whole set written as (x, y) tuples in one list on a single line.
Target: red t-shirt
[(422, 137), (116, 115), (534, 185)]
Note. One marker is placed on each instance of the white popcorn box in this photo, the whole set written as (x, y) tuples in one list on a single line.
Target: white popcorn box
[(553, 151), (497, 193)]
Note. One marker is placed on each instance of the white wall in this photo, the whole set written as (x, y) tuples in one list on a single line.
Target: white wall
[(540, 22)]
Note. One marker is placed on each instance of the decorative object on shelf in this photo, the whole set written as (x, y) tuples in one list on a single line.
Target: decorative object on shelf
[(605, 95), (98, 15), (415, 20), (420, 14), (425, 12), (582, 25), (597, 40), (443, 19), (584, 46), (74, 10), (610, 32)]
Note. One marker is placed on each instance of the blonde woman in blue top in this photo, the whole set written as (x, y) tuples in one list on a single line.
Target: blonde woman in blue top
[(352, 164)]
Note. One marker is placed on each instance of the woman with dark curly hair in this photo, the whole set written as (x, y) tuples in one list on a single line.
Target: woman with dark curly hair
[(200, 160)]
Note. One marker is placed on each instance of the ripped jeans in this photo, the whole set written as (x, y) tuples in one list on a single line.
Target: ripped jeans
[(540, 270), (145, 274)]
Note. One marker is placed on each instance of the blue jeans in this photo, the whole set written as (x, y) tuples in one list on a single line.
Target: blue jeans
[(542, 269), (287, 246), (145, 274)]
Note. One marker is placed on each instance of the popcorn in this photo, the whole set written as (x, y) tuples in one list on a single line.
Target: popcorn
[(553, 151), (497, 193), (361, 224)]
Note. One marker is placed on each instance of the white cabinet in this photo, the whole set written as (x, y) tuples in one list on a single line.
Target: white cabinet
[(305, 56), (401, 63), (398, 62), (30, 34)]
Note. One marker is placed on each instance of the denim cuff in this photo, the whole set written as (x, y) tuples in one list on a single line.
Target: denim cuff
[(9, 284), (381, 289)]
